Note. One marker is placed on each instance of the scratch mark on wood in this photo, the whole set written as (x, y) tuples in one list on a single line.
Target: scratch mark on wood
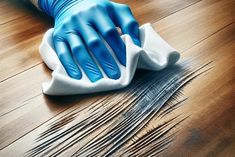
[(111, 126)]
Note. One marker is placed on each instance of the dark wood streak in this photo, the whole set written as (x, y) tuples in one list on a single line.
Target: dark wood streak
[(121, 116)]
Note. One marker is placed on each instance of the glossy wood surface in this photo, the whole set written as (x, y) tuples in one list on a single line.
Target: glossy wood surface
[(202, 30)]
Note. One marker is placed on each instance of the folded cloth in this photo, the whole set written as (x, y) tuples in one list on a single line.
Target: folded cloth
[(154, 54)]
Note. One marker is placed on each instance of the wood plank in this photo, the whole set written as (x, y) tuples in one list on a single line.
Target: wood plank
[(21, 29), (210, 129), (19, 47), (156, 9), (16, 98), (196, 22), (207, 103), (167, 31)]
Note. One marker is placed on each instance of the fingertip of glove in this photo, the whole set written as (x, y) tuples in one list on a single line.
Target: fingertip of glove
[(95, 77), (75, 75), (114, 74)]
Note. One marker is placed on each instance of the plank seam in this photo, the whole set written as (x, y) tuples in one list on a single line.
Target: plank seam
[(222, 28), (177, 11)]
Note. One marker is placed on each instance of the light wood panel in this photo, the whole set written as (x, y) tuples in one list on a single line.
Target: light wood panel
[(183, 29), (21, 29), (195, 138), (16, 98), (210, 128), (153, 10), (203, 31), (8, 103)]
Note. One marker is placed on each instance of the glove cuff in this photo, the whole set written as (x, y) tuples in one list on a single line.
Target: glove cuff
[(56, 8)]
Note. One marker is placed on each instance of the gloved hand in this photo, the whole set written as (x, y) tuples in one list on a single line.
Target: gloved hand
[(78, 24)]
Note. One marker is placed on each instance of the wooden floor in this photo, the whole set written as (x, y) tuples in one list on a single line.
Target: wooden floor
[(202, 30)]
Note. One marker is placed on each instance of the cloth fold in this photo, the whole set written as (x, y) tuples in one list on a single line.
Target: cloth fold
[(154, 54)]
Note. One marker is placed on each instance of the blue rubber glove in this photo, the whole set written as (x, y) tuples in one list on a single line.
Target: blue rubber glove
[(77, 30)]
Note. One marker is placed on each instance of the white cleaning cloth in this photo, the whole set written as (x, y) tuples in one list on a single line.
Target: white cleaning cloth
[(154, 54)]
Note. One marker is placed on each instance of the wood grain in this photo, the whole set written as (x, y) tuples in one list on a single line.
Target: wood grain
[(10, 105), (201, 30)]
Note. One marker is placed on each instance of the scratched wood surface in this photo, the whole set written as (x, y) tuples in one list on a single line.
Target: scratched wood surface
[(202, 30)]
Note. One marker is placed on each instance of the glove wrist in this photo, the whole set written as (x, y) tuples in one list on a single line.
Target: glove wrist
[(57, 8)]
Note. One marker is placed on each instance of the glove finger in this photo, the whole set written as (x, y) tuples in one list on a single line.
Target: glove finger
[(100, 51), (66, 59), (124, 18), (107, 29), (83, 57)]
